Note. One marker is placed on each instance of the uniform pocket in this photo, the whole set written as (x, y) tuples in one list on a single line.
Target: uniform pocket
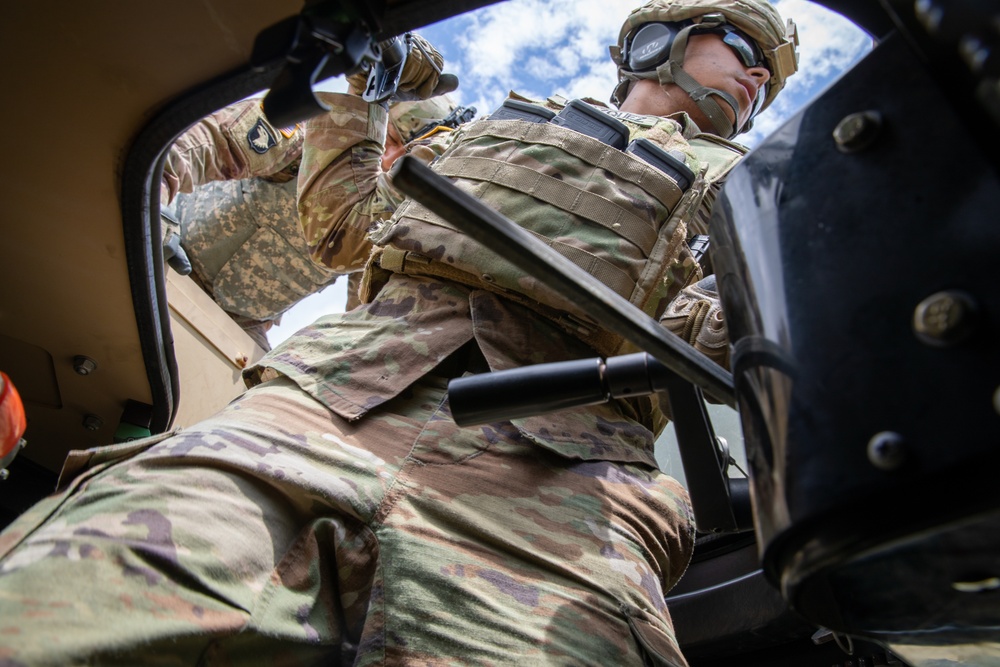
[(655, 638), (80, 461), (79, 467)]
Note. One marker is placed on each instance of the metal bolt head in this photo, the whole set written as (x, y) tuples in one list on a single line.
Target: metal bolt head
[(944, 318), (983, 584), (929, 14), (887, 450), (84, 365), (92, 422), (858, 131)]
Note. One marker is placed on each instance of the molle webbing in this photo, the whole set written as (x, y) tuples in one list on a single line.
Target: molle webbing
[(616, 219), (605, 271), (616, 216), (616, 162), (558, 193)]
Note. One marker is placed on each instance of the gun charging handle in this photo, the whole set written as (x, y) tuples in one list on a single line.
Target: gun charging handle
[(543, 388)]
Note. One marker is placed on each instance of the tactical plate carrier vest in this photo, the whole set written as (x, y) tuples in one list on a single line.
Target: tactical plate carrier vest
[(615, 215), (245, 245)]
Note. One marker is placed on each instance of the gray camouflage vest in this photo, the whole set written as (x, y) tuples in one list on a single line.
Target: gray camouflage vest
[(246, 247)]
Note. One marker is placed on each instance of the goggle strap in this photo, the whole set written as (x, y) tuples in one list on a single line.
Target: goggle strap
[(625, 80)]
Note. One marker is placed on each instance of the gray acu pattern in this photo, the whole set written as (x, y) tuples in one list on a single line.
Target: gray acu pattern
[(246, 247)]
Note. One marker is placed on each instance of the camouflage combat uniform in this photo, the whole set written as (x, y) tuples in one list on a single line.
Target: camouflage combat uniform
[(336, 514), (231, 144), (229, 182)]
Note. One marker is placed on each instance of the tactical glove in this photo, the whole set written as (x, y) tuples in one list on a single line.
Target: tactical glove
[(422, 76), (173, 253), (176, 256), (696, 316)]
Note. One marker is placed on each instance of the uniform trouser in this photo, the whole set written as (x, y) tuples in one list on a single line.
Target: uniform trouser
[(277, 533)]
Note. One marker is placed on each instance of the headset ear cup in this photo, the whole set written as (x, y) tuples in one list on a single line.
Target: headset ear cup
[(648, 47)]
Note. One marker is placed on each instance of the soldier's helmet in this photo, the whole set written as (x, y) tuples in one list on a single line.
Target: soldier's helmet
[(410, 118), (660, 50)]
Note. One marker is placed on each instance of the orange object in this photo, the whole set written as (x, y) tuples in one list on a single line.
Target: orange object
[(12, 420)]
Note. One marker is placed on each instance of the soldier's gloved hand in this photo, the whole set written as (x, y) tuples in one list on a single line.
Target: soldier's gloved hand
[(176, 256), (173, 253), (422, 76), (696, 316)]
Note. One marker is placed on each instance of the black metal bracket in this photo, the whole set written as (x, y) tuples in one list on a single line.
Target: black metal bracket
[(327, 39)]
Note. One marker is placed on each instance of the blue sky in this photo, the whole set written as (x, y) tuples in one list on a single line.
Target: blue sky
[(544, 47)]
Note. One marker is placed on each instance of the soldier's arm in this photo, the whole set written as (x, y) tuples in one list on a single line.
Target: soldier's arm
[(342, 189), (341, 185), (234, 143)]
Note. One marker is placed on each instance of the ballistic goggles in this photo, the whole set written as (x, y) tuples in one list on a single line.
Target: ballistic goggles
[(648, 46)]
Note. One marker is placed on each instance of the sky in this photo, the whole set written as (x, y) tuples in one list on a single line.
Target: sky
[(543, 47)]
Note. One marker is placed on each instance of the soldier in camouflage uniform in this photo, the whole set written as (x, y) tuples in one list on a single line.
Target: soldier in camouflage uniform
[(228, 194), (335, 514), (228, 197)]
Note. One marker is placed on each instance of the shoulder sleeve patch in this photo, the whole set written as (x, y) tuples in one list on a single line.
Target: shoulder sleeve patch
[(260, 137)]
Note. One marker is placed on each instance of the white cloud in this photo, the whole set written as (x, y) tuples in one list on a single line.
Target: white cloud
[(332, 299), (521, 44)]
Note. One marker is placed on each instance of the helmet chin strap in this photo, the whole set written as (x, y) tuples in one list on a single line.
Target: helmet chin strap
[(672, 71), (702, 96)]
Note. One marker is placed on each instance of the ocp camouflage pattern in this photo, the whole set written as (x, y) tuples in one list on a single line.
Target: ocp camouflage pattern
[(275, 533), (336, 514), (219, 148)]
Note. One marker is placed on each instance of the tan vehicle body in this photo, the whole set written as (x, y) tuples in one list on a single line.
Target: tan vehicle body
[(89, 77)]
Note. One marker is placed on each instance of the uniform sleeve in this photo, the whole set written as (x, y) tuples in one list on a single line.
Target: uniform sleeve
[(343, 192), (341, 187), (234, 143)]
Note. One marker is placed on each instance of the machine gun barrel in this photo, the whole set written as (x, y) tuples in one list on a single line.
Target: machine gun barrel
[(535, 390)]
